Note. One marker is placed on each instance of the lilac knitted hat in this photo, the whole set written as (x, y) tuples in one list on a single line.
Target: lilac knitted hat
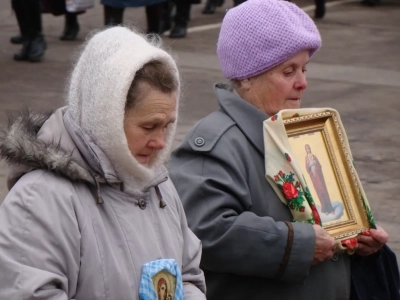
[(260, 34)]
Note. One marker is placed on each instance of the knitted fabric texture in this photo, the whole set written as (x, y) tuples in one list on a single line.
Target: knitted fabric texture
[(98, 92), (260, 34)]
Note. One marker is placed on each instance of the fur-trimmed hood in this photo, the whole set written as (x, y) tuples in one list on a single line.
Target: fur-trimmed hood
[(53, 142)]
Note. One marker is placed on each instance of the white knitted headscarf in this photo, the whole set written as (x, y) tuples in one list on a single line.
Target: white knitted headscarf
[(98, 92)]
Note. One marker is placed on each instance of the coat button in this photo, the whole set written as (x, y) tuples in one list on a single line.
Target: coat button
[(335, 257), (142, 204), (199, 141)]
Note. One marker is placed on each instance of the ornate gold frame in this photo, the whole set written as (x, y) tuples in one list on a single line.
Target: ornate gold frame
[(334, 140)]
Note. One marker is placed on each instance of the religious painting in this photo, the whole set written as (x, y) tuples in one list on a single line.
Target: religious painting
[(165, 285), (320, 150)]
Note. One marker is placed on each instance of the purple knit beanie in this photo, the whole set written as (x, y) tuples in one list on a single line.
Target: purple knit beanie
[(260, 34)]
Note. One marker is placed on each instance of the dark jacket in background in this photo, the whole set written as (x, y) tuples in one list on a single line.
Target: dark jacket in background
[(375, 277)]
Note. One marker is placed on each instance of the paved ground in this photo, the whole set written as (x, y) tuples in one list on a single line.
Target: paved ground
[(357, 72)]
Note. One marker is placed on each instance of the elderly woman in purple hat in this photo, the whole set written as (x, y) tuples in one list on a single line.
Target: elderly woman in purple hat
[(251, 247)]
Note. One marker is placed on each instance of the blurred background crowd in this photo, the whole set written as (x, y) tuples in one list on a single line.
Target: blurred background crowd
[(164, 17)]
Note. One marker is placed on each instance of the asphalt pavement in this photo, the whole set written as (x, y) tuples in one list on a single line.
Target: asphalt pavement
[(357, 72)]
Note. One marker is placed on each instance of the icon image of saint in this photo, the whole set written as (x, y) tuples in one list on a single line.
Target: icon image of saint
[(164, 285), (314, 169)]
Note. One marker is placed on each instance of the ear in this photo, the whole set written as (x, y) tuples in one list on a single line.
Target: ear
[(245, 84)]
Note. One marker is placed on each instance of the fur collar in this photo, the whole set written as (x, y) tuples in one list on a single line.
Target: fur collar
[(21, 147)]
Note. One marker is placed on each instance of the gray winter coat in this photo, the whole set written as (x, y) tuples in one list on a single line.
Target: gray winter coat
[(247, 251), (57, 242)]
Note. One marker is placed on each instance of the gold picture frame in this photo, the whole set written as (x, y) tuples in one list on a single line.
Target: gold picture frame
[(320, 148)]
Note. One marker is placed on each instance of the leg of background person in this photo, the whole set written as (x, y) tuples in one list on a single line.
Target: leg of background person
[(17, 39), (71, 27), (35, 35), (155, 15), (211, 5), (371, 2), (22, 16), (181, 19), (319, 9), (34, 45), (113, 15), (167, 14), (237, 2)]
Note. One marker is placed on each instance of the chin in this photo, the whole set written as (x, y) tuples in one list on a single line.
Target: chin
[(294, 104)]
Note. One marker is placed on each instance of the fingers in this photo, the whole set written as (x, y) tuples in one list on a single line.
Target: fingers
[(364, 250), (370, 244), (325, 245), (379, 235), (369, 241)]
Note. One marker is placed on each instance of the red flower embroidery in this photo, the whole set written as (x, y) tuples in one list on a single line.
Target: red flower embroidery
[(281, 174), (350, 243), (315, 214), (289, 190), (302, 209), (288, 157), (273, 118), (276, 178)]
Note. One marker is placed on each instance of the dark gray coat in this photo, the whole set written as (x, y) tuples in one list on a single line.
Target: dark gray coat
[(219, 173)]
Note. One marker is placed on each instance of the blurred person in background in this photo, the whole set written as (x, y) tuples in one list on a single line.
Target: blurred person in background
[(319, 9), (211, 5), (181, 18), (71, 25), (155, 13), (29, 18)]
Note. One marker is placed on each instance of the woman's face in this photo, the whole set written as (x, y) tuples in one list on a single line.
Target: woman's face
[(145, 125), (279, 88), (162, 292)]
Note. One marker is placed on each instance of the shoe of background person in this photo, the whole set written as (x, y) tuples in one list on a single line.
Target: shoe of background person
[(70, 32), (113, 16), (178, 32), (16, 39), (238, 2), (23, 53), (319, 12), (211, 6), (71, 27), (37, 48)]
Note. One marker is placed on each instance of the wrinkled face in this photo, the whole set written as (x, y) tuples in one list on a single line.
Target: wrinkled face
[(279, 88), (145, 125)]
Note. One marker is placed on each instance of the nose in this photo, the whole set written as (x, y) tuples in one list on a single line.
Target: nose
[(301, 82), (157, 141)]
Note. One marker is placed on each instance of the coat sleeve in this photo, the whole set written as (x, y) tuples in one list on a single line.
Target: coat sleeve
[(194, 286), (39, 240), (216, 198)]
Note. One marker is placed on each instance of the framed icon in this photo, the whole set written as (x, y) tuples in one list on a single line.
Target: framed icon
[(321, 149)]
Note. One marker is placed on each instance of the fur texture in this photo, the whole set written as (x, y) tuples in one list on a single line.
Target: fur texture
[(19, 145)]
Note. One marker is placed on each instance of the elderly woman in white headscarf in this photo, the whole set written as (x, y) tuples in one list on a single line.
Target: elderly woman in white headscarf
[(91, 212)]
